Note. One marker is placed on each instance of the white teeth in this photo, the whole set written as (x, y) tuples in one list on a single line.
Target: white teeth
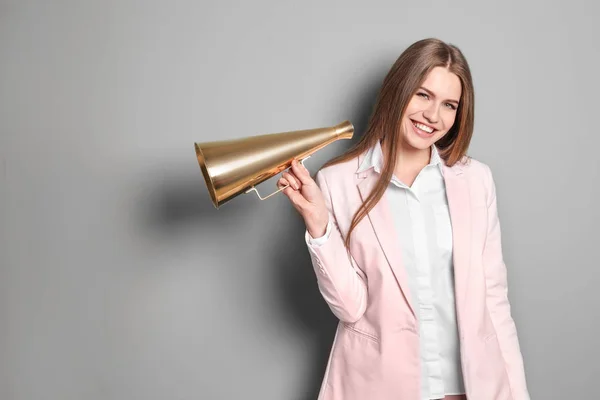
[(423, 127)]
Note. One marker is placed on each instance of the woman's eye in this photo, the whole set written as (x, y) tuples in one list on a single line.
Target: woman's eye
[(451, 106), (424, 95)]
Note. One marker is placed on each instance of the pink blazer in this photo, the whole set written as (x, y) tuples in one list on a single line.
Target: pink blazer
[(375, 353)]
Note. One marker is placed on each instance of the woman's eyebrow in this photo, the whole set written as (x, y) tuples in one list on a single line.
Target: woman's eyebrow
[(433, 95)]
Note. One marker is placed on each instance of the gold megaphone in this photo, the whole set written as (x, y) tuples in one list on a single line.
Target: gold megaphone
[(232, 167)]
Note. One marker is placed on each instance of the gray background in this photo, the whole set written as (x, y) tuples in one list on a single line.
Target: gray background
[(119, 280)]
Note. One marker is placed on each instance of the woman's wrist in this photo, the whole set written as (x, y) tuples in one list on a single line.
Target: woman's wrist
[(317, 227)]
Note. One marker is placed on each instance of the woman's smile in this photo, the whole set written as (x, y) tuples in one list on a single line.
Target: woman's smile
[(422, 129)]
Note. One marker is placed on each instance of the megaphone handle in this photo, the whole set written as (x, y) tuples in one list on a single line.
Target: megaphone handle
[(253, 189)]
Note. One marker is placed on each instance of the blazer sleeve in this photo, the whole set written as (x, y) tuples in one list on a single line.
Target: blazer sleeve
[(341, 283), (497, 297)]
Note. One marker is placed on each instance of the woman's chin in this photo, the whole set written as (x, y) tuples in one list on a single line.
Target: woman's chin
[(419, 143)]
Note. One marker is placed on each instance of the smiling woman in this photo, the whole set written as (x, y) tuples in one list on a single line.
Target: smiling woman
[(436, 103), (419, 286), (430, 114)]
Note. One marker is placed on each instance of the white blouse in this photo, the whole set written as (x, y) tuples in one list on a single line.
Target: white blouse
[(422, 222)]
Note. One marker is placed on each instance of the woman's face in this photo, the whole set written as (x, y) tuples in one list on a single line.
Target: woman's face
[(432, 110)]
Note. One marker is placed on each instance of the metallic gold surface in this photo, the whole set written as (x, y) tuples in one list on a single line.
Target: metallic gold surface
[(253, 189), (233, 167)]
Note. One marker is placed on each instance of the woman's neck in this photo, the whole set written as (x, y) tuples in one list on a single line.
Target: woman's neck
[(409, 159)]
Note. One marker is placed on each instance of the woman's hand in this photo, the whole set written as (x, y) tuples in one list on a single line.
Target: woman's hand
[(306, 197)]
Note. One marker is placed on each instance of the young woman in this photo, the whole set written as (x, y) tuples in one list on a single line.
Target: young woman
[(404, 238)]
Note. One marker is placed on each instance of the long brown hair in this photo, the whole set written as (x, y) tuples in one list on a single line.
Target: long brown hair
[(400, 84)]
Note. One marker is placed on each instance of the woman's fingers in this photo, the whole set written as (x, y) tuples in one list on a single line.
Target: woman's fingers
[(292, 179), (297, 199), (295, 196), (293, 191), (301, 173), (303, 192), (282, 182), (297, 176)]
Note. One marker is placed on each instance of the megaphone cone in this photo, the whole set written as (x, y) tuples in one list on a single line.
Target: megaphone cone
[(233, 167)]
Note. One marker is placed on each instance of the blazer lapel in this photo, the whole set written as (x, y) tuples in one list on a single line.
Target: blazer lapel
[(381, 220), (459, 204)]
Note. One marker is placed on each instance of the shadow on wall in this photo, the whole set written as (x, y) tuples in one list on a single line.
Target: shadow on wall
[(295, 277), (183, 200)]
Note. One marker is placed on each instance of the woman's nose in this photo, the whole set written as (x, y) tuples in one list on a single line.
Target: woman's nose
[(431, 113)]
